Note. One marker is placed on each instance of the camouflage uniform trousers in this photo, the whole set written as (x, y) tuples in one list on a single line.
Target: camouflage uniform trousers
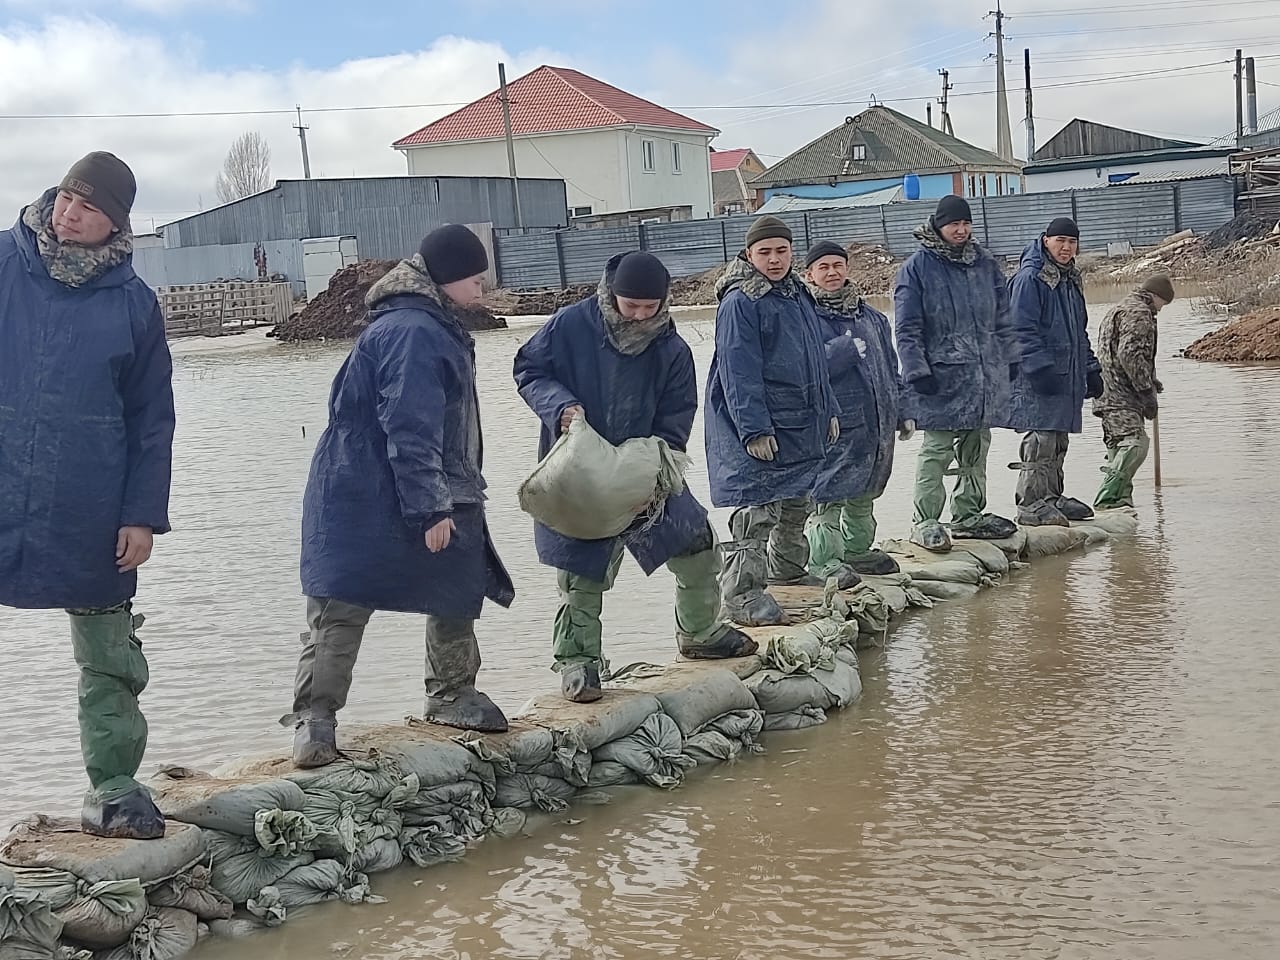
[(1125, 436)]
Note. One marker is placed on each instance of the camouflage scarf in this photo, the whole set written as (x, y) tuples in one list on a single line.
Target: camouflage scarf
[(71, 263), (742, 275), (930, 239), (630, 337), (846, 302), (1053, 273), (407, 276)]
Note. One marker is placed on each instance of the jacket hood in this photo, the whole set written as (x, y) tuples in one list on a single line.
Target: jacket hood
[(741, 274), (406, 277), (1051, 273), (29, 249)]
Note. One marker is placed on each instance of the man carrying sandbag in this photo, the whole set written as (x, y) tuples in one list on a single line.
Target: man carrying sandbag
[(771, 414), (1127, 354), (864, 375), (1057, 372), (955, 340), (393, 516), (616, 360), (86, 447)]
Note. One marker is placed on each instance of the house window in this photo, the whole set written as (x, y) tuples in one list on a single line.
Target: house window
[(984, 184), (973, 185), (675, 157), (647, 155), (579, 211), (858, 151)]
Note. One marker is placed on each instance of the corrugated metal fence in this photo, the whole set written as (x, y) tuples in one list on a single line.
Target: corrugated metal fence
[(1142, 214), (179, 266)]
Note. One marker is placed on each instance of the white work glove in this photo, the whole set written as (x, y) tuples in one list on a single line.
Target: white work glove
[(763, 448), (833, 431), (907, 430)]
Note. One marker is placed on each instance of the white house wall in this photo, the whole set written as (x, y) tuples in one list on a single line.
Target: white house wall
[(1097, 176), (663, 186)]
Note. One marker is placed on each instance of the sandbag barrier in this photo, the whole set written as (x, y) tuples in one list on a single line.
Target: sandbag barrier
[(253, 842)]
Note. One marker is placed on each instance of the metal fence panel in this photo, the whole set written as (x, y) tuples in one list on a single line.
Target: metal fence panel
[(900, 223), (1141, 214), (587, 251), (687, 248), (174, 266), (1005, 225), (527, 261), (1205, 205), (856, 225)]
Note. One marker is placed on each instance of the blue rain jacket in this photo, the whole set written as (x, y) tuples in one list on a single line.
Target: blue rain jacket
[(953, 321), (86, 428), (768, 376), (402, 450), (1050, 322), (651, 394), (867, 388)]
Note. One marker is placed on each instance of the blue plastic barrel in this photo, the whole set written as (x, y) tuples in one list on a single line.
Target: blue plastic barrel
[(911, 186)]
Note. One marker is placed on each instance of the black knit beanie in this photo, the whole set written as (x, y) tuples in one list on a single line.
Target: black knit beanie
[(824, 248), (105, 181), (767, 228), (453, 253), (1063, 227), (640, 276), (951, 209)]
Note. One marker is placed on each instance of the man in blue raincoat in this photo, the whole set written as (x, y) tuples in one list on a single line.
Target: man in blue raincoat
[(865, 378), (617, 360), (86, 447), (393, 516), (771, 414), (1057, 371), (955, 341)]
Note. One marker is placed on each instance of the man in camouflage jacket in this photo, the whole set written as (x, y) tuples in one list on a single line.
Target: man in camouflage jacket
[(1126, 348)]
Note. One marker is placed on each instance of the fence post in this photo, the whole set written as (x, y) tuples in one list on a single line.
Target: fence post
[(1177, 207), (986, 225), (1075, 208), (560, 261), (724, 242), (884, 230), (497, 260), (643, 236)]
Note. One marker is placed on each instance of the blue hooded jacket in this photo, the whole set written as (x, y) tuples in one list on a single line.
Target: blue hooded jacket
[(402, 451), (86, 428), (952, 321), (866, 386), (572, 361), (768, 377), (1050, 323)]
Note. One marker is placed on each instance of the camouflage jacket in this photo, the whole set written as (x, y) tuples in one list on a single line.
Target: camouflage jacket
[(1126, 348)]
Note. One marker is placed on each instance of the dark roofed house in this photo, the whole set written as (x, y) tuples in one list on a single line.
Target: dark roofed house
[(730, 172), (875, 150)]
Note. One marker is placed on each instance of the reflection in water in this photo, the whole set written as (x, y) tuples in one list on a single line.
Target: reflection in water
[(1079, 764)]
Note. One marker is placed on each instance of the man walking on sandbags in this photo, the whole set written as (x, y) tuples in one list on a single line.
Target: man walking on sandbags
[(86, 449), (1127, 354), (1057, 371), (771, 414), (951, 307), (864, 375), (393, 516), (617, 360)]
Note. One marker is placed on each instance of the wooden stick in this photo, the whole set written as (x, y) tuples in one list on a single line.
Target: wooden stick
[(1155, 443)]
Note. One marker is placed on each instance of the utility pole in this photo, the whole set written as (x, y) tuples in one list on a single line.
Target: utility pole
[(1239, 97), (1031, 117), (1251, 94), (1004, 136), (946, 114), (928, 113), (302, 136), (511, 144)]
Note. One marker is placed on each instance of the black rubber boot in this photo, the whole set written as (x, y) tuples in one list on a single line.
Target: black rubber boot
[(467, 709), (734, 643), (1042, 513), (846, 577), (1074, 509), (133, 816), (580, 682), (760, 611), (987, 527), (876, 563), (315, 743), (931, 535), (807, 580)]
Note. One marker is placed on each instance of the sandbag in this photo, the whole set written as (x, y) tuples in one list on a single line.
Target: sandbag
[(727, 738), (520, 749), (338, 818), (460, 802), (28, 928), (799, 719), (952, 570), (434, 762), (527, 790), (610, 773), (508, 822), (587, 488), (373, 778), (218, 804), (431, 845), (1049, 541), (193, 891), (836, 685), (311, 883), (1014, 546), (58, 844), (993, 559), (1122, 522), (242, 868), (377, 856), (165, 933), (693, 696), (103, 914), (943, 590), (588, 726), (267, 908), (655, 752)]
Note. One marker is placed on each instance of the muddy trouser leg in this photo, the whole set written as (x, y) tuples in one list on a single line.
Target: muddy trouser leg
[(1127, 445), (788, 548), (699, 618), (113, 673), (826, 539), (858, 527), (1060, 463), (577, 633), (970, 500), (1043, 454), (453, 655), (746, 562), (328, 658), (937, 452)]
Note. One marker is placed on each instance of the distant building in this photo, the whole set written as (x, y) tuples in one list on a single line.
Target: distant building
[(1262, 140), (875, 150), (730, 172), (615, 151), (1087, 154)]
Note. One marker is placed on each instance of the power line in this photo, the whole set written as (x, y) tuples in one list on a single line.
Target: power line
[(1147, 26), (193, 114), (1136, 8)]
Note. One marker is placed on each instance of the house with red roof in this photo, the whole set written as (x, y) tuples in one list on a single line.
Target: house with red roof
[(731, 170), (615, 151)]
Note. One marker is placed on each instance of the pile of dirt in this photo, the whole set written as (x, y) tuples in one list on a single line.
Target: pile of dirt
[(1255, 336), (872, 269), (530, 303), (339, 313), (698, 290), (1249, 225)]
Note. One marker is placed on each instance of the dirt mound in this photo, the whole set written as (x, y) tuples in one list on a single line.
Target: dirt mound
[(698, 290), (1244, 226), (339, 312), (872, 269), (1255, 336), (528, 303)]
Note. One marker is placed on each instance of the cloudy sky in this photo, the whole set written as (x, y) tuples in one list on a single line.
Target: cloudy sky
[(168, 84)]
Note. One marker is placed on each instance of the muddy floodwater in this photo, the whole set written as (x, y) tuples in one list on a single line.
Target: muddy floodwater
[(1081, 763)]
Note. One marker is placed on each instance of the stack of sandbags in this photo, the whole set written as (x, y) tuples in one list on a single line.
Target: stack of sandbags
[(807, 671), (28, 928)]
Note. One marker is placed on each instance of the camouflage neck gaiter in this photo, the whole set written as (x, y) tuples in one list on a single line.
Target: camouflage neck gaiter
[(71, 263), (931, 239), (846, 301)]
